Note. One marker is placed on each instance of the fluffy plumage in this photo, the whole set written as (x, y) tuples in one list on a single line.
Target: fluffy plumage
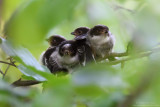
[(65, 57), (80, 36), (55, 40), (101, 40), (80, 31)]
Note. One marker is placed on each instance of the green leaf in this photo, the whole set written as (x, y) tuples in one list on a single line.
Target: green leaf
[(58, 92), (27, 77), (6, 89), (29, 72), (89, 91), (11, 96), (99, 75), (29, 65), (33, 20), (8, 7)]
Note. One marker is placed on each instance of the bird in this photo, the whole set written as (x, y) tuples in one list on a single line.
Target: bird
[(53, 41), (101, 41), (65, 57), (80, 32), (80, 35)]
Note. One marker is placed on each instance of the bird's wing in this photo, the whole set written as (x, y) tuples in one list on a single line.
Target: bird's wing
[(81, 55), (47, 54), (53, 65), (89, 54)]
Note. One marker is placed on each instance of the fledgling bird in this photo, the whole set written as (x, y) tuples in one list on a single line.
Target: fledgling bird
[(53, 41), (80, 35), (65, 57), (101, 41), (80, 32)]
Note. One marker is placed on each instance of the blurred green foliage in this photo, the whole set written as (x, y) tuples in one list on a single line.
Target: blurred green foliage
[(28, 22)]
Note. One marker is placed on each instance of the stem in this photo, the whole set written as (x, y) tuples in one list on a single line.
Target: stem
[(8, 63), (6, 71), (140, 55), (1, 72), (19, 83)]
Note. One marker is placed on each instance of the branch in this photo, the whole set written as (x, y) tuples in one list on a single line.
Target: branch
[(129, 58), (19, 83), (1, 72), (11, 61), (140, 55), (8, 63), (114, 54), (4, 74)]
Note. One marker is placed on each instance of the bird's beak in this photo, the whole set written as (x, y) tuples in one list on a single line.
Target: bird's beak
[(72, 33), (106, 32)]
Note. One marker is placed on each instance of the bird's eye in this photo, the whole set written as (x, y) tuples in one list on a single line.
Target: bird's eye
[(53, 41), (80, 32), (97, 31), (101, 31)]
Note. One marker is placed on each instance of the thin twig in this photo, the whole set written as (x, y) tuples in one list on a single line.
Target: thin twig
[(140, 55), (1, 72), (8, 63), (129, 58), (8, 67), (19, 82), (115, 54), (6, 71)]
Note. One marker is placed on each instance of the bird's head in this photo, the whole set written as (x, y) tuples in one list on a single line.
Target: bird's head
[(55, 40), (80, 31), (68, 48), (99, 30)]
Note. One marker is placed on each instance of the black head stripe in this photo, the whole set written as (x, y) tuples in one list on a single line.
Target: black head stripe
[(80, 31), (96, 30), (55, 40)]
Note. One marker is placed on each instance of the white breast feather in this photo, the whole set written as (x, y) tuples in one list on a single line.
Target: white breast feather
[(64, 60)]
